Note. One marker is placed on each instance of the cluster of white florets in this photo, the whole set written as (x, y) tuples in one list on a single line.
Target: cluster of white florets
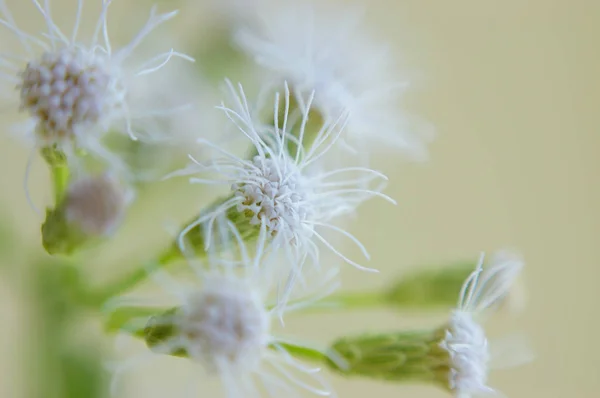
[(75, 93), (225, 322), (465, 340), (467, 346), (69, 92), (274, 192)]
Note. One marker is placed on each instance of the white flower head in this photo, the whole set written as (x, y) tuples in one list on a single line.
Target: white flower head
[(465, 340), (283, 189), (326, 50), (74, 92), (225, 323)]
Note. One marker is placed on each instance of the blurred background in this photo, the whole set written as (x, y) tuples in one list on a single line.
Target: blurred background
[(512, 89)]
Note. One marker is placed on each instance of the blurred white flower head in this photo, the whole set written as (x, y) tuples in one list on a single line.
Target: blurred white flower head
[(466, 342), (283, 189), (75, 92), (225, 319), (326, 50)]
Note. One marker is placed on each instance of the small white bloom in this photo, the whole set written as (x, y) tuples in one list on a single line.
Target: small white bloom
[(75, 92), (283, 188), (326, 50), (465, 340), (225, 322)]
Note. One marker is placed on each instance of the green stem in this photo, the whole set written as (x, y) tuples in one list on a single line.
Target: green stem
[(131, 279), (60, 181), (59, 169)]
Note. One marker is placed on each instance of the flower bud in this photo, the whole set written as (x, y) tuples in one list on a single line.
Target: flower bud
[(456, 356), (92, 208)]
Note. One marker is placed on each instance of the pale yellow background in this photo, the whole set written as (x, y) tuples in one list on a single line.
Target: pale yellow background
[(512, 88)]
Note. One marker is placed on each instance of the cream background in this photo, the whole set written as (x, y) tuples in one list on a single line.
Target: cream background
[(513, 91)]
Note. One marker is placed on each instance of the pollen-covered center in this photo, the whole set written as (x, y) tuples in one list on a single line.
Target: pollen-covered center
[(273, 192), (225, 323), (65, 90), (467, 346)]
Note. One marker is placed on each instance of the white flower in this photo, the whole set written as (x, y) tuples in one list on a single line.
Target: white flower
[(326, 50), (225, 320), (283, 188), (75, 92), (465, 340)]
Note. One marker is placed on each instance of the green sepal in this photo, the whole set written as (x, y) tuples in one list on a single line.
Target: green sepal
[(59, 236), (398, 357), (160, 330), (121, 319), (195, 238)]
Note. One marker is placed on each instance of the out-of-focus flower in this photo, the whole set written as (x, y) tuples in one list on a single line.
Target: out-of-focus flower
[(223, 322), (183, 102), (348, 71), (75, 92)]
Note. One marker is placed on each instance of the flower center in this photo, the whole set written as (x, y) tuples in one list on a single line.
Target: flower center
[(274, 192), (225, 322), (66, 90)]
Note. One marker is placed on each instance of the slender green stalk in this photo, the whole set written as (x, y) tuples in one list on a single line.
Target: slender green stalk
[(60, 181), (132, 279), (59, 169)]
